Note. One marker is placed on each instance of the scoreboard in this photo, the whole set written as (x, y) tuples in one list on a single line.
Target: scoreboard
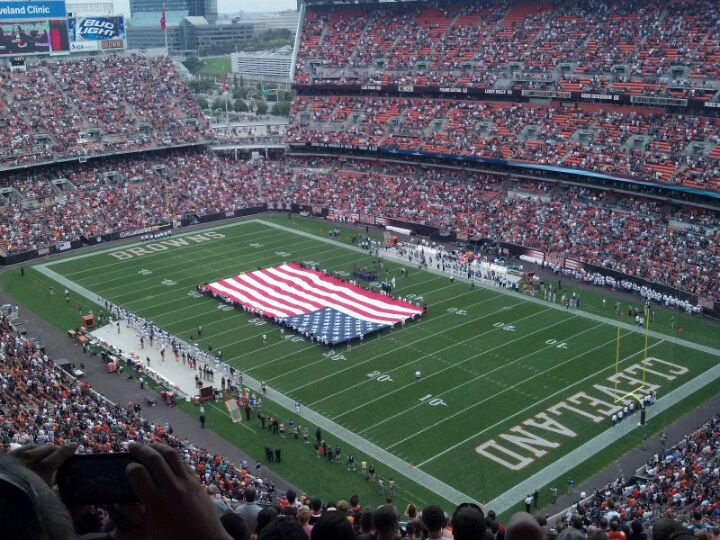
[(34, 37), (41, 27), (33, 27)]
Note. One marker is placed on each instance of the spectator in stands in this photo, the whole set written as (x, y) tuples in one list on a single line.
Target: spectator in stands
[(669, 529), (385, 522), (235, 526), (636, 531), (523, 526), (282, 529), (468, 523), (303, 516), (333, 526), (250, 509), (218, 502), (433, 518), (365, 525), (265, 517)]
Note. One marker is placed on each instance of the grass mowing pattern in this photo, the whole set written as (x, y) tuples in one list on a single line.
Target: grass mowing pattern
[(488, 377)]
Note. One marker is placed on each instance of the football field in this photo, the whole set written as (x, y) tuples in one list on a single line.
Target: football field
[(512, 390)]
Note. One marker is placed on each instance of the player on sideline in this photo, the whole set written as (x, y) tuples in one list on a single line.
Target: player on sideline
[(417, 375)]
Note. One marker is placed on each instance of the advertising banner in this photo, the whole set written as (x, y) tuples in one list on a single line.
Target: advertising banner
[(28, 10), (96, 33)]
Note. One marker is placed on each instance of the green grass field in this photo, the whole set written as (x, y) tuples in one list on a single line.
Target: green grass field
[(216, 65), (491, 361)]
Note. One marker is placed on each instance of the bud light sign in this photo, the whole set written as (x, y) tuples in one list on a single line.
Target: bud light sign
[(96, 33)]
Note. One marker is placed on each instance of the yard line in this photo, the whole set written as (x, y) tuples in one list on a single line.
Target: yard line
[(384, 353), (154, 319), (189, 281), (142, 243), (420, 282), (546, 398), (183, 297), (207, 325), (582, 453), (455, 344), (214, 269), (447, 368), (231, 262), (358, 346), (475, 378), (592, 316), (368, 342)]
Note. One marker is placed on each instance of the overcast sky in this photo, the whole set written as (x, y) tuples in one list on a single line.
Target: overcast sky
[(233, 6), (229, 6)]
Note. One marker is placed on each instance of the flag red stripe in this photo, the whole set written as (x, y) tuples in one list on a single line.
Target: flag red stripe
[(234, 295), (270, 281), (331, 298), (259, 299), (289, 290), (404, 307), (246, 283), (321, 302), (369, 299)]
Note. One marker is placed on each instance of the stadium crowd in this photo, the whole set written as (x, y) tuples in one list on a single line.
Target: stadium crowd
[(632, 142), (612, 47), (63, 109), (682, 481), (41, 404), (46, 416), (632, 235)]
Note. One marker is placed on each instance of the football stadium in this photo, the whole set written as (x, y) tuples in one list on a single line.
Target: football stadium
[(460, 279)]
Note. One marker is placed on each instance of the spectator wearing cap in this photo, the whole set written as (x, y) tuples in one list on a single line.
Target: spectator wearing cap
[(218, 502), (316, 509)]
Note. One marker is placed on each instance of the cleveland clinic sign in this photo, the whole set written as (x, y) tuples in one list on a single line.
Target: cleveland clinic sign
[(29, 10)]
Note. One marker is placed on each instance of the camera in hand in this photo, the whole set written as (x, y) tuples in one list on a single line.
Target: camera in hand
[(96, 479)]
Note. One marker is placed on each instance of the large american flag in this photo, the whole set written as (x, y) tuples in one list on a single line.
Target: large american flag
[(313, 303)]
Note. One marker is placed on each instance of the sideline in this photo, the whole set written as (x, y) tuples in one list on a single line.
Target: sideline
[(511, 497), (570, 460), (381, 455), (578, 312)]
